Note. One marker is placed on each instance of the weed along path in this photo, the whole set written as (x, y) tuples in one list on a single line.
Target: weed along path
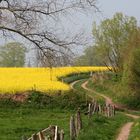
[(126, 128)]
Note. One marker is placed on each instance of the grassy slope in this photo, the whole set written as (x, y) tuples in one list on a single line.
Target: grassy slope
[(100, 127), (102, 89), (37, 113), (17, 122), (135, 133), (96, 97)]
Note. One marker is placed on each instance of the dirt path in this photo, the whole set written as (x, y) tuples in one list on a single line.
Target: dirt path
[(125, 131), (126, 128), (73, 83), (107, 99)]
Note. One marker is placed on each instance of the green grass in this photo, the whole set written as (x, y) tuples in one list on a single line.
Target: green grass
[(100, 127), (101, 89), (18, 122), (135, 132), (113, 87), (38, 112), (41, 111), (15, 123), (78, 87), (103, 128), (73, 77)]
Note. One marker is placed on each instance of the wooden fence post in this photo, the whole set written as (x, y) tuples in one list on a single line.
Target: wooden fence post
[(48, 138), (89, 110), (105, 110), (100, 109), (78, 122), (23, 138), (56, 133), (108, 111), (113, 108), (95, 107), (72, 128), (62, 135), (91, 74), (34, 137), (92, 108), (41, 136), (52, 131)]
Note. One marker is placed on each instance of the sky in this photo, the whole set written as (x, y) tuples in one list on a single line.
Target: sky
[(128, 7), (108, 8)]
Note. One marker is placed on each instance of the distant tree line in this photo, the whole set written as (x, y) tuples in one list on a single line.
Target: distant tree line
[(12, 55)]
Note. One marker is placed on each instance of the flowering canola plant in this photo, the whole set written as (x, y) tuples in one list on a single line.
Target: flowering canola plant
[(13, 80)]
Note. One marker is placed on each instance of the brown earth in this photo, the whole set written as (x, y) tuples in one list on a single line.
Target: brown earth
[(18, 97)]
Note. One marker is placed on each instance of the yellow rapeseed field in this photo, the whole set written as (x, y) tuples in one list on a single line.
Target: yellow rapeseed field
[(14, 80)]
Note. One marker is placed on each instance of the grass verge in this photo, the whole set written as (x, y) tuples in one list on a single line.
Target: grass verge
[(135, 132), (78, 87), (103, 128), (40, 111), (100, 127)]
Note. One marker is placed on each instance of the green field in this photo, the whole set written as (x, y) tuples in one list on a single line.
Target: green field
[(40, 111), (134, 134), (26, 121), (14, 123)]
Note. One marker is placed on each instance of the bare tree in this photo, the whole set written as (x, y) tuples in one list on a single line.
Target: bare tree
[(34, 20)]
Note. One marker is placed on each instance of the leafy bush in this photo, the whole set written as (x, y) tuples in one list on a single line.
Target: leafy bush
[(68, 100)]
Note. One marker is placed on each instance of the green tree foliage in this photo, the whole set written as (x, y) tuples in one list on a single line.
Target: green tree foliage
[(111, 38), (89, 58), (135, 70), (131, 74), (12, 55)]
